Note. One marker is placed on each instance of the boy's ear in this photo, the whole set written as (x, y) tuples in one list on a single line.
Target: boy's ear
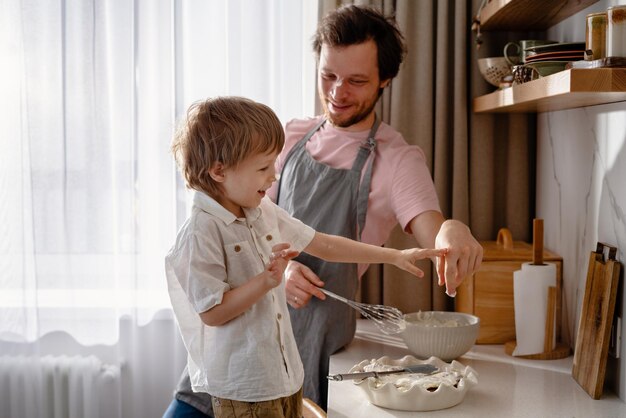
[(217, 172)]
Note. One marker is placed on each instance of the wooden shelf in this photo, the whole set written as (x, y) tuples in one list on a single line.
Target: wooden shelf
[(563, 90), (528, 14)]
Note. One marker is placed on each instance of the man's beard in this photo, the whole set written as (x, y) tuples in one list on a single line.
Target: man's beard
[(352, 120)]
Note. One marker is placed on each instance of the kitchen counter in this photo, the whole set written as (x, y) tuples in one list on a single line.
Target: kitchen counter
[(507, 386)]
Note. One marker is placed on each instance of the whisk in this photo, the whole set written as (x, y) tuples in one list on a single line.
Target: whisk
[(388, 319)]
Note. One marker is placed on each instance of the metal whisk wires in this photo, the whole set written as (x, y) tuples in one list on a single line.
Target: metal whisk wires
[(388, 319)]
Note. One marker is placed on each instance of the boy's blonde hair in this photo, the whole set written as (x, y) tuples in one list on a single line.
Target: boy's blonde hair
[(226, 130)]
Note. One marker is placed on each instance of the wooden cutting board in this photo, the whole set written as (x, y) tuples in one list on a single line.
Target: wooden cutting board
[(594, 328)]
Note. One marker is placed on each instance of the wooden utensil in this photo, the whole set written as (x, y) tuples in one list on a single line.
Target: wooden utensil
[(594, 328)]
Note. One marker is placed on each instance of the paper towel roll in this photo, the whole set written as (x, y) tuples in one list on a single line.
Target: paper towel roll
[(530, 293)]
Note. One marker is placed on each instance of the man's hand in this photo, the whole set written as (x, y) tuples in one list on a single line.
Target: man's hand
[(301, 284), (463, 257)]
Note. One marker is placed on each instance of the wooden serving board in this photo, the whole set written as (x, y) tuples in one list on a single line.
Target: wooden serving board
[(594, 328)]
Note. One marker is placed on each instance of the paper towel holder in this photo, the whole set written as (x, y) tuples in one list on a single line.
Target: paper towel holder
[(560, 350), (538, 242)]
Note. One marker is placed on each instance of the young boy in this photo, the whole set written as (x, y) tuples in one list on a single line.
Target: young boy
[(225, 270)]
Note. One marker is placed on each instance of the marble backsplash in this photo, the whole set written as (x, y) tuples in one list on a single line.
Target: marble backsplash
[(581, 195)]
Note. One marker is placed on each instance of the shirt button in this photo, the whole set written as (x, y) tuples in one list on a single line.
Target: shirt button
[(282, 347), (237, 248), (268, 237), (279, 316)]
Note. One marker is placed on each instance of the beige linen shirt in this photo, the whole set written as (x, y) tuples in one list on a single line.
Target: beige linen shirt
[(253, 357)]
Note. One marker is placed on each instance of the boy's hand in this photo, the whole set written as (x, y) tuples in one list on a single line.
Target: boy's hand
[(281, 254), (407, 258)]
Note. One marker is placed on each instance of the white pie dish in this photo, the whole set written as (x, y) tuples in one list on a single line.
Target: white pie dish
[(408, 392)]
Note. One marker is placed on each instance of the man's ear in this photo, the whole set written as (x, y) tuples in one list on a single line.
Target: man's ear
[(217, 172), (385, 83)]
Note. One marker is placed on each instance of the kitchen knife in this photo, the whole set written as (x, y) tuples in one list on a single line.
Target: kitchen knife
[(418, 368)]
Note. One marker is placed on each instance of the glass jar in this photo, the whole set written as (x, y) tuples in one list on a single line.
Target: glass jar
[(616, 31), (595, 36)]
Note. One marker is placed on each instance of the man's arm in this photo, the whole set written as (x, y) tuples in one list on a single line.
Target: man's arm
[(464, 255)]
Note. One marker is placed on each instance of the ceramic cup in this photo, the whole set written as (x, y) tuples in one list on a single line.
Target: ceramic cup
[(616, 31), (595, 36), (515, 53)]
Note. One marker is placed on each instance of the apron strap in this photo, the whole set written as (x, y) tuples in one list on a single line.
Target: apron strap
[(364, 189), (301, 143), (364, 153)]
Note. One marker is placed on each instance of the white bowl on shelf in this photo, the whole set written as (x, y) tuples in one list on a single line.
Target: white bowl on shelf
[(494, 70)]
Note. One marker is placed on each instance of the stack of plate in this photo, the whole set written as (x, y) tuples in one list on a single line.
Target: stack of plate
[(549, 59), (573, 51)]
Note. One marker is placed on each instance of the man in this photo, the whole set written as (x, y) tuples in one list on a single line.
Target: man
[(346, 173)]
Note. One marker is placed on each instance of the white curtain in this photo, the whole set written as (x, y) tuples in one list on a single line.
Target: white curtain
[(90, 200)]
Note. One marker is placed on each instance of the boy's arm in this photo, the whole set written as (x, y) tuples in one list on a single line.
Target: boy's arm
[(238, 300), (339, 249)]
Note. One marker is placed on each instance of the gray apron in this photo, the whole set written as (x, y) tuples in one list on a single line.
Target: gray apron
[(332, 201)]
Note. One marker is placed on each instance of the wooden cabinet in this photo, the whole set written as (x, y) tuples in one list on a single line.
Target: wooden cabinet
[(564, 90)]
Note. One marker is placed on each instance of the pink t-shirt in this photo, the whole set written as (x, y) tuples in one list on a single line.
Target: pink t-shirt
[(401, 187)]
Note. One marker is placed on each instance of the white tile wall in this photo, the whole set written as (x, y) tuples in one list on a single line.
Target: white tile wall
[(581, 190)]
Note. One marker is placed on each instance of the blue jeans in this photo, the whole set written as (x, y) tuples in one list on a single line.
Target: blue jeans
[(180, 409)]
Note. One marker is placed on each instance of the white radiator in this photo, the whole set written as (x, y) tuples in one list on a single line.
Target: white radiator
[(58, 387)]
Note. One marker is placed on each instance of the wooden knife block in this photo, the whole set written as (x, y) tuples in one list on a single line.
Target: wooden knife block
[(488, 293)]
